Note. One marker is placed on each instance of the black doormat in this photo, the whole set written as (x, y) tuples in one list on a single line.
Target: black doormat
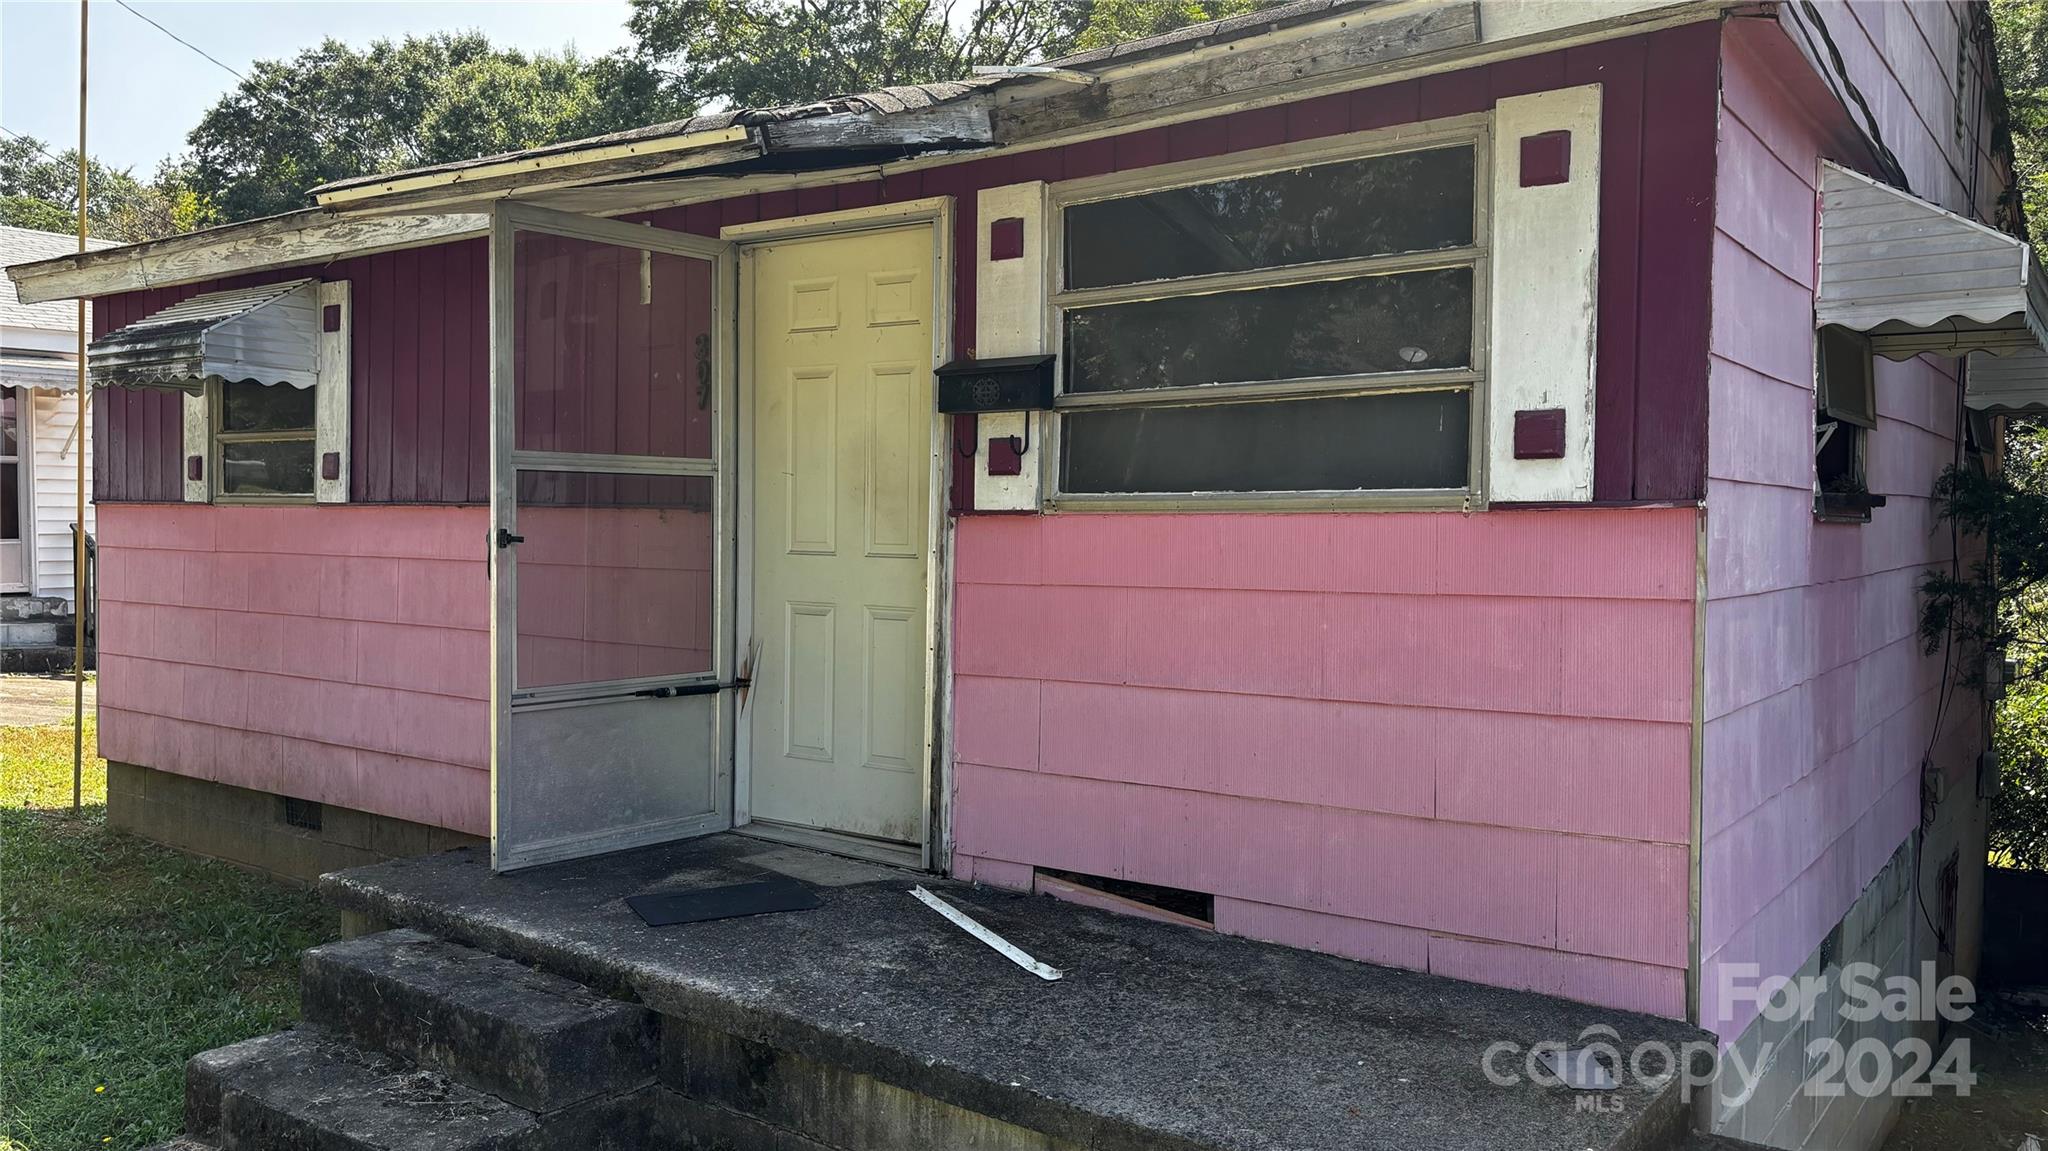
[(662, 908)]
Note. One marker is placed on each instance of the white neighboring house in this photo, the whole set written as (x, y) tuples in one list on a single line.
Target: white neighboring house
[(39, 442)]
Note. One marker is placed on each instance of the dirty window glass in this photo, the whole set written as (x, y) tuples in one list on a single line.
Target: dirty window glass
[(247, 406), (267, 468), (1417, 321), (1380, 205), (1348, 443)]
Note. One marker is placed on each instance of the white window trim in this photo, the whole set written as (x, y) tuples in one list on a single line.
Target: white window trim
[(331, 404), (1475, 130)]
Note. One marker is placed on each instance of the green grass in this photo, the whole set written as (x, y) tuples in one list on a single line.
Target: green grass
[(120, 959)]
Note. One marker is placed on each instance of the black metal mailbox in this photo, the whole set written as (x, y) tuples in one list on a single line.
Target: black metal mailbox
[(1004, 384)]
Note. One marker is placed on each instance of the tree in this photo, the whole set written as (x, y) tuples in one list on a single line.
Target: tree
[(39, 189), (757, 53), (1116, 21), (1997, 605), (336, 111), (2022, 32)]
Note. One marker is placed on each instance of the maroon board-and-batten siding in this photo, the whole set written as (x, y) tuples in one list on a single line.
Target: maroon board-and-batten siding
[(421, 340)]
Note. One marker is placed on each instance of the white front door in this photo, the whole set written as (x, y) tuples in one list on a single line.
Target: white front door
[(839, 334), (16, 523)]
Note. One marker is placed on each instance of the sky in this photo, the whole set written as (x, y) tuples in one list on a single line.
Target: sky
[(147, 91)]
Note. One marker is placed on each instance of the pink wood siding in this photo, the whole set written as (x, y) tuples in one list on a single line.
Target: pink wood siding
[(421, 358), (1819, 701), (338, 654), (1453, 743)]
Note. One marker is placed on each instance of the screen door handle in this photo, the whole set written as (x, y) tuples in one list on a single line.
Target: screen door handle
[(495, 542)]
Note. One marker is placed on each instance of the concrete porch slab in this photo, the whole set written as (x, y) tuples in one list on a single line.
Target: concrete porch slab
[(1159, 1035)]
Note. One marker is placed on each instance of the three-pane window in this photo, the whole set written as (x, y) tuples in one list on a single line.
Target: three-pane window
[(1309, 330)]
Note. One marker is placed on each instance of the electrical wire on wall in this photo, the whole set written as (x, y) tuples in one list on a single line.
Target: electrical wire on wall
[(1846, 92), (1977, 34)]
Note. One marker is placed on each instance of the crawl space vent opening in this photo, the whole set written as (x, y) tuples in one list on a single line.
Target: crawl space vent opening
[(301, 813), (1191, 904)]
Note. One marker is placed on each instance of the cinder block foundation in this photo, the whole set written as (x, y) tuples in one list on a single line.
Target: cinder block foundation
[(254, 829)]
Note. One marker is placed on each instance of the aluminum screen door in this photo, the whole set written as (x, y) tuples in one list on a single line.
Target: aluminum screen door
[(609, 511)]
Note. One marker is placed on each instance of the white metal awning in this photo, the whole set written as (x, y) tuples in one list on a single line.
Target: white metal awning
[(2008, 384), (1920, 279), (270, 334), (44, 373)]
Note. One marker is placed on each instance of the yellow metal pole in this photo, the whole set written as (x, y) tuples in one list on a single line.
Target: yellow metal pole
[(78, 608)]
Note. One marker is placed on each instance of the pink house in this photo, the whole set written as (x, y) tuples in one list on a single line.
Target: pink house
[(1442, 484)]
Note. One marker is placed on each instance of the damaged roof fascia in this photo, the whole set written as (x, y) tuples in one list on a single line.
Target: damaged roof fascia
[(518, 167), (915, 117), (786, 147), (907, 117)]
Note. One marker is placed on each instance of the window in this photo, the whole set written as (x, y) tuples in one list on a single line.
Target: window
[(263, 440), (1845, 409), (1312, 330)]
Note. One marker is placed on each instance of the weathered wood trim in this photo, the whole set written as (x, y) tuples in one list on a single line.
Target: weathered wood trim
[(477, 195), (1355, 43), (1010, 320), (515, 168), (958, 123), (1546, 297), (308, 237), (331, 416), (198, 441)]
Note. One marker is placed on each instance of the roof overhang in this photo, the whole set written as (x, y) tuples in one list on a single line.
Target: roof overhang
[(632, 156), (269, 334), (292, 240), (1920, 279)]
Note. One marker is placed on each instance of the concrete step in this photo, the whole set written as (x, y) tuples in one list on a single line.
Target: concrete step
[(536, 1040), (35, 632), (305, 1090), (14, 607)]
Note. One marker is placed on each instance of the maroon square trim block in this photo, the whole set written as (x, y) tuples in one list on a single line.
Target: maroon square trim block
[(1539, 434), (330, 466), (330, 318), (1546, 159), (195, 468), (1006, 238), (1003, 457)]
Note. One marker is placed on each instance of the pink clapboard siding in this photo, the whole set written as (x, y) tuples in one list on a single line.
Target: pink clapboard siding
[(1446, 742), (613, 593), (338, 654), (1819, 701)]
